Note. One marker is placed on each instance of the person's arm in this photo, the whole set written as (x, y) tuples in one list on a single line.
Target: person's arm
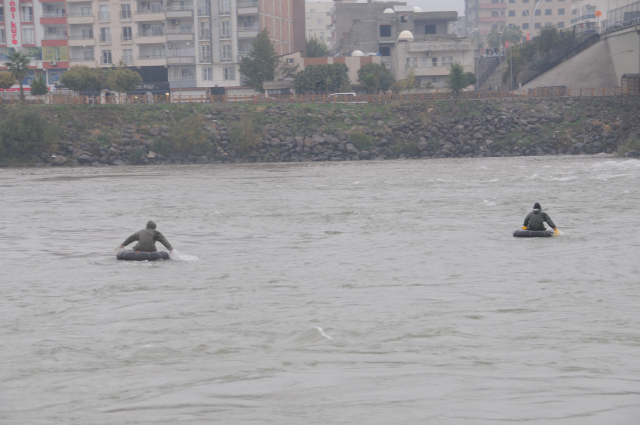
[(549, 221), (526, 220), (160, 238), (131, 238)]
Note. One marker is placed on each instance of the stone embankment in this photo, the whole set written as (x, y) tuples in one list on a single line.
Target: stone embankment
[(297, 133)]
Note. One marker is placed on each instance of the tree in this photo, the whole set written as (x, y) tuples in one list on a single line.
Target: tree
[(547, 40), (330, 78), (513, 35), (457, 79), (39, 87), (411, 82), (316, 48), (122, 79), (493, 39), (98, 79), (18, 65), (375, 77), (261, 63), (287, 70), (6, 80), (76, 78), (471, 78)]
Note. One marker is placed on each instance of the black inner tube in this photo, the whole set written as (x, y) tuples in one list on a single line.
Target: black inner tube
[(533, 233), (128, 255)]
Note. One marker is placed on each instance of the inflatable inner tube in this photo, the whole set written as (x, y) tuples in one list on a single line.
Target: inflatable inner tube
[(533, 233), (128, 255)]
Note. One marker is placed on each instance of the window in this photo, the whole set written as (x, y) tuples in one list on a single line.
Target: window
[(525, 1), (512, 13), (105, 35), (434, 61), (495, 14), (106, 57), (403, 19), (411, 62), (127, 56), (525, 13), (560, 11), (430, 29), (230, 73), (188, 74), (385, 30), (538, 12), (318, 21), (3, 39), (88, 55), (434, 79), (126, 34), (87, 33), (321, 34), (204, 29), (447, 60), (536, 25), (290, 61), (312, 11), (548, 24), (547, 12), (560, 25), (103, 14), (27, 14), (28, 36), (207, 74), (86, 11), (385, 51), (205, 53), (125, 13), (512, 1), (525, 26), (226, 52), (225, 28)]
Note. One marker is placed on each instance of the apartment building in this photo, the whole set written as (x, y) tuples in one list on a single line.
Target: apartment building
[(320, 21), (186, 45), (483, 16), (375, 27), (591, 15)]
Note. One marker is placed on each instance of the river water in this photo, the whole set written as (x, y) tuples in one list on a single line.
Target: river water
[(331, 293)]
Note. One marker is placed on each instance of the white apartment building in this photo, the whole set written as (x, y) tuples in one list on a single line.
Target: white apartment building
[(320, 22), (588, 15), (192, 45)]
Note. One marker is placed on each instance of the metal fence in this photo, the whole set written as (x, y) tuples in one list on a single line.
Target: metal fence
[(436, 96)]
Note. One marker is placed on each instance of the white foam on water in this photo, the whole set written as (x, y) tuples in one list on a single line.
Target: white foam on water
[(489, 203), (175, 255)]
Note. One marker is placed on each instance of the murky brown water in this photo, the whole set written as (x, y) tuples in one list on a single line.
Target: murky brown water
[(377, 293)]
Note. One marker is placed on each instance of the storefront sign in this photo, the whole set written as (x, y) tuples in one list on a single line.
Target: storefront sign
[(13, 23)]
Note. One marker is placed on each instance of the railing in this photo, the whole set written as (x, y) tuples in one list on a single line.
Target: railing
[(80, 14), (81, 59), (175, 30), (203, 11), (105, 61), (152, 56), (318, 98), (104, 16), (224, 11), (175, 8), (125, 14), (53, 15), (493, 64), (205, 58), (154, 32), (105, 38), (248, 4), (81, 37), (55, 37), (26, 18), (204, 34), (251, 28), (126, 37), (181, 53), (151, 9), (183, 78), (224, 36)]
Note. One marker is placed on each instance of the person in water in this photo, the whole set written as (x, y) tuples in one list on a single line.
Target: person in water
[(147, 239), (536, 218)]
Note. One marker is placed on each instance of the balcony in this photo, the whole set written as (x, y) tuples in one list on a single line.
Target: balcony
[(58, 36), (184, 82), (145, 56), (80, 18), (150, 14), (126, 38), (248, 8), (179, 12), (204, 58), (152, 36), (105, 38), (125, 15), (248, 32), (180, 34), (26, 18), (104, 16), (90, 62), (181, 57), (82, 40), (204, 35), (153, 59)]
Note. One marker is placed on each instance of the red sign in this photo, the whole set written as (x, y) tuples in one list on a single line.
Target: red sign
[(482, 51), (14, 27), (506, 44), (581, 25), (528, 38)]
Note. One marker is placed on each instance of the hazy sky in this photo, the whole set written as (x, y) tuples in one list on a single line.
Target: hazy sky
[(432, 5)]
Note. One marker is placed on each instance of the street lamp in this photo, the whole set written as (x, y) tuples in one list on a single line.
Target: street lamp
[(530, 15)]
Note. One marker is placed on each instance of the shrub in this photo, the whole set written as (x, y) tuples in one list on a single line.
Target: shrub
[(25, 132), (362, 141), (632, 144), (244, 136), (137, 155), (187, 137)]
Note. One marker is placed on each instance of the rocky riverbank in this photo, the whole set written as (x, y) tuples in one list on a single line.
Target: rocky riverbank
[(132, 135)]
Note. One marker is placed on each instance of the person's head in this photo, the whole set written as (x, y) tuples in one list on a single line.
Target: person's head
[(537, 206), (151, 225)]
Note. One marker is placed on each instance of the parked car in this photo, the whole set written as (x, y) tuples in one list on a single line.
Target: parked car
[(345, 98)]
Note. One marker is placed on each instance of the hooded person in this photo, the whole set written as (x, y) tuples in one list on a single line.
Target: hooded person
[(535, 219), (147, 239)]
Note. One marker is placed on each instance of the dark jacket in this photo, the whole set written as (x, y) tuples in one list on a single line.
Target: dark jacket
[(147, 239), (535, 220)]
